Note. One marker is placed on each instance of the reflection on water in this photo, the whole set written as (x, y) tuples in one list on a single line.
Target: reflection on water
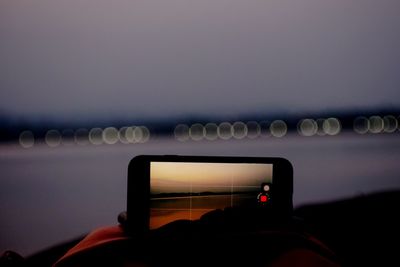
[(49, 195)]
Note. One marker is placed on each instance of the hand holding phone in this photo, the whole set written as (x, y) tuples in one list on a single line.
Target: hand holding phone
[(164, 189)]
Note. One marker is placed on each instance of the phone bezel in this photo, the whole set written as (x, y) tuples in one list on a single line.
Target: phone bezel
[(138, 200)]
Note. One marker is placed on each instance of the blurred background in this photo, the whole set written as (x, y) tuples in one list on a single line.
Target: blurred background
[(87, 85)]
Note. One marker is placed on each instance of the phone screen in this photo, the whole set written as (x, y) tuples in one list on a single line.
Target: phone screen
[(188, 190)]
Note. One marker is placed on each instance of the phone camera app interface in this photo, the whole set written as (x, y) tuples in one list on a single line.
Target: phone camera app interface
[(188, 190)]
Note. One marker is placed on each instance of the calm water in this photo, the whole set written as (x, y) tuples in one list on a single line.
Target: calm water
[(50, 195)]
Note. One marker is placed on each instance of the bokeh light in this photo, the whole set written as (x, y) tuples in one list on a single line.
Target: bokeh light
[(375, 124), (320, 127), (138, 134), (211, 131), (278, 128), (181, 132), (122, 135), (239, 130), (53, 138), (390, 124), (110, 135), (130, 134), (26, 139), (96, 136), (82, 136), (307, 127), (253, 129), (145, 134), (197, 132), (225, 131), (361, 125), (332, 126)]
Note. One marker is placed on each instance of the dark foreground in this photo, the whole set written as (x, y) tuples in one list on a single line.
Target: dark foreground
[(362, 231)]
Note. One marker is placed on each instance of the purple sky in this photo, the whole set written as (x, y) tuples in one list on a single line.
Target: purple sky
[(159, 58)]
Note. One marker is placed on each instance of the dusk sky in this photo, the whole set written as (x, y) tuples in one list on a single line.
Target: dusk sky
[(182, 176), (160, 58)]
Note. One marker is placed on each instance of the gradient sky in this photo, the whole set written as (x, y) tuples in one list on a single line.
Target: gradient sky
[(159, 58), (180, 176)]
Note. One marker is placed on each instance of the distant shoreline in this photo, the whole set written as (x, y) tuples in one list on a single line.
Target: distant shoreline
[(201, 194)]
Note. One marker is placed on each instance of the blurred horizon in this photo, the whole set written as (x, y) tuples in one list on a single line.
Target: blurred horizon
[(139, 130), (91, 60)]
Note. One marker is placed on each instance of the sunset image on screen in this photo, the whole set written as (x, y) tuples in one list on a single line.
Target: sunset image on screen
[(186, 190)]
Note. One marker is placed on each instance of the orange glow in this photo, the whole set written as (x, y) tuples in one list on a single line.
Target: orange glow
[(209, 174)]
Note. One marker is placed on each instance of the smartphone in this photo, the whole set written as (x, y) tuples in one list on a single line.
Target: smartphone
[(163, 189)]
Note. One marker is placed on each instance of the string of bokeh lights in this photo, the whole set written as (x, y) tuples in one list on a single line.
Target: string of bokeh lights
[(238, 130), (83, 136), (278, 128)]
